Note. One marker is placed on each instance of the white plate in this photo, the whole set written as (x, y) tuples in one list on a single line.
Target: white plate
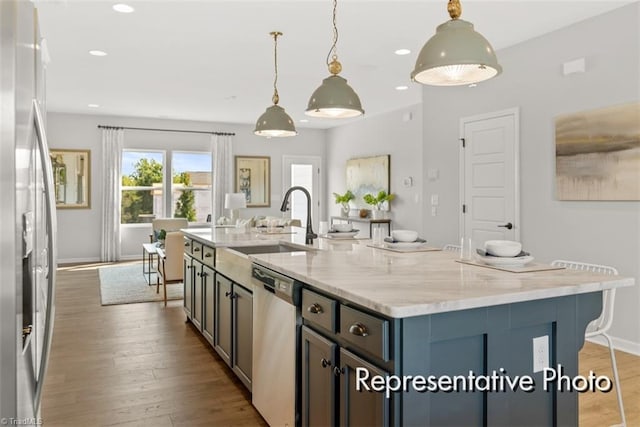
[(404, 245), (496, 261), (342, 234)]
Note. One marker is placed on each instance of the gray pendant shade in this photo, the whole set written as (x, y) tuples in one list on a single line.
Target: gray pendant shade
[(456, 55), (275, 122), (334, 99)]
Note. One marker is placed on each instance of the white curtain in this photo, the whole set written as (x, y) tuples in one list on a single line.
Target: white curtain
[(222, 173), (112, 142)]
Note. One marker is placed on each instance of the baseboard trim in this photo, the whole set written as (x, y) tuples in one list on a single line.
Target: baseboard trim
[(95, 259), (618, 344), (77, 260)]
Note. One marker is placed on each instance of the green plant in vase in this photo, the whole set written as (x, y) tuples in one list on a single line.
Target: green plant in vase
[(162, 234), (343, 200), (377, 201)]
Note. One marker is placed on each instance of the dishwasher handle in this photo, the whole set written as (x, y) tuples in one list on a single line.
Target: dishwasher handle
[(269, 288)]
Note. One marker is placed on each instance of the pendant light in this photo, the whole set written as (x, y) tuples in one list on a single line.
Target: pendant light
[(456, 54), (275, 122), (334, 98)]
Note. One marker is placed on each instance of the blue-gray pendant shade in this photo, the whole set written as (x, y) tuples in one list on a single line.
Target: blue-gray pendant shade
[(334, 99), (275, 122), (456, 54)]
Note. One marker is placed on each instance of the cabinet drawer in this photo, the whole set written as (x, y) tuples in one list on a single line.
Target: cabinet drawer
[(319, 309), (196, 249), (208, 255), (367, 332), (188, 246)]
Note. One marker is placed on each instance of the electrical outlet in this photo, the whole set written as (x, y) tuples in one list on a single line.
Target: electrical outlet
[(435, 200), (540, 353)]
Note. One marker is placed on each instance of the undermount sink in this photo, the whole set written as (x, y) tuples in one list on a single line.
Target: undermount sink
[(266, 249)]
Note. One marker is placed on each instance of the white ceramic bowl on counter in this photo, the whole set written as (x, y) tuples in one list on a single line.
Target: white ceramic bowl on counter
[(342, 228), (404, 235), (504, 248)]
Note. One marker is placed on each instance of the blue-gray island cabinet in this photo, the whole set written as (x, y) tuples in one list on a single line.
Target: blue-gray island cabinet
[(400, 316), (356, 373), (497, 340)]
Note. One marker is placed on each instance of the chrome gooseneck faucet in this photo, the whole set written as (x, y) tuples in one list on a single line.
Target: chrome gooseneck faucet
[(285, 206)]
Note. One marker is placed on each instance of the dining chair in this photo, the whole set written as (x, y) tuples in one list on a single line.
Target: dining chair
[(170, 262), (601, 325), (451, 248)]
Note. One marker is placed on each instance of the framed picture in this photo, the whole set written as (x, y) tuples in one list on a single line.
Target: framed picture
[(72, 178), (368, 175), (253, 178), (598, 154)]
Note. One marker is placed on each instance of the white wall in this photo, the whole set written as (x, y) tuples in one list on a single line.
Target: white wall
[(79, 229), (392, 133), (600, 232)]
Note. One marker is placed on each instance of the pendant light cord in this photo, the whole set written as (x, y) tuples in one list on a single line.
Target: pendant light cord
[(276, 97), (333, 52)]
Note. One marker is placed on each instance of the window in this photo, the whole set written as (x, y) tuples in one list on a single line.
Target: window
[(191, 185), (142, 186)]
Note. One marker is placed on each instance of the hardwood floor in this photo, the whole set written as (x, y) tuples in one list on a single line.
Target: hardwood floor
[(134, 365), (142, 365)]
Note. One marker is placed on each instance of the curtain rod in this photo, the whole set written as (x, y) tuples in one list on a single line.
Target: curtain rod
[(168, 130)]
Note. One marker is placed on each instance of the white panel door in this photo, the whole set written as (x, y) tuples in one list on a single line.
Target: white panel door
[(489, 177), (303, 171)]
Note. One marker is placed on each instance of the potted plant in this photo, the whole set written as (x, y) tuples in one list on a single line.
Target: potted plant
[(377, 201), (162, 234), (344, 199)]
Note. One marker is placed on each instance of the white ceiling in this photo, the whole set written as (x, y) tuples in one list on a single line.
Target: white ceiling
[(212, 60)]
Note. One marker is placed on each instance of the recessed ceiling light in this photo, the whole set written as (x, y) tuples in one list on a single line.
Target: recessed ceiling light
[(304, 120), (97, 53), (402, 52), (93, 105), (402, 87), (123, 8)]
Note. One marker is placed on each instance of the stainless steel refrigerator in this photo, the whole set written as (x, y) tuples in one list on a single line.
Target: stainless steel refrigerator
[(27, 217)]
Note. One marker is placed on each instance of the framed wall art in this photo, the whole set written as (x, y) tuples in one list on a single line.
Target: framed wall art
[(253, 178), (368, 175), (598, 154), (72, 178)]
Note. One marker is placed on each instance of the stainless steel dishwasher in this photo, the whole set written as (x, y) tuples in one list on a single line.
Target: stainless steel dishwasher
[(276, 327)]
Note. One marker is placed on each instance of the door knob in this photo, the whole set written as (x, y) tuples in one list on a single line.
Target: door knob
[(508, 226)]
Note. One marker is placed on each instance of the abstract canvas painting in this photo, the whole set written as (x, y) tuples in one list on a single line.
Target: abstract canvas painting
[(598, 154), (367, 175)]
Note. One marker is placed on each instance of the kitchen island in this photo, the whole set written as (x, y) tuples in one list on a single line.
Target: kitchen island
[(431, 317)]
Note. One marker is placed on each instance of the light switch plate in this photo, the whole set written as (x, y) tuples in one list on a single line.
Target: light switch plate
[(435, 200)]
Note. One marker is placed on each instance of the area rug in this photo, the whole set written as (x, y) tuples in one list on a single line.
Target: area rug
[(125, 284)]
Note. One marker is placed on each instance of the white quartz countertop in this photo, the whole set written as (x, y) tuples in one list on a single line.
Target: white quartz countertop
[(408, 284)]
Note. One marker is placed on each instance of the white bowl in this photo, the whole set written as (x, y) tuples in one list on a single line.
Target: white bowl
[(342, 228), (505, 248), (404, 235)]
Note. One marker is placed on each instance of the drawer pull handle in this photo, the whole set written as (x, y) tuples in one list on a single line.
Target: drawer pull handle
[(337, 371), (359, 329), (324, 362), (207, 255), (228, 293), (196, 249), (187, 244), (315, 308)]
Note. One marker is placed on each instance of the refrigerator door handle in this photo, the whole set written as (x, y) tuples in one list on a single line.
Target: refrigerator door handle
[(47, 170)]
